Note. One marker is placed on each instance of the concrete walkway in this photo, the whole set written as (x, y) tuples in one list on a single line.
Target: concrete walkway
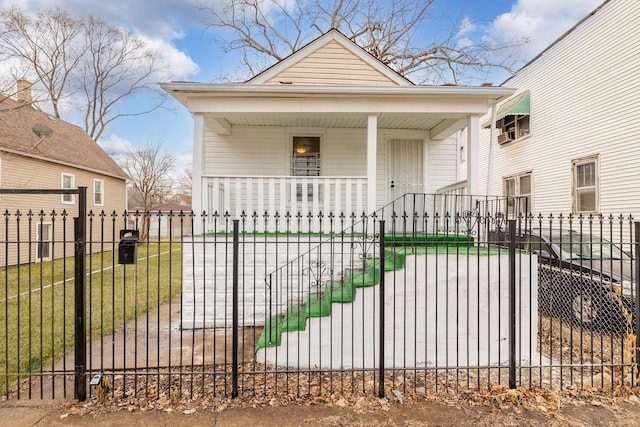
[(152, 340)]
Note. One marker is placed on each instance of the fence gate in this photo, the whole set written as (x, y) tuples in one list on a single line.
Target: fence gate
[(43, 293)]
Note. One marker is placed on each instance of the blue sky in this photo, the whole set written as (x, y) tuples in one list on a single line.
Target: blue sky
[(176, 29)]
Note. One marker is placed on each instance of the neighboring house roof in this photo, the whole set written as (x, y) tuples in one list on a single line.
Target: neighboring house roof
[(171, 206), (184, 199), (293, 68), (167, 206), (32, 133)]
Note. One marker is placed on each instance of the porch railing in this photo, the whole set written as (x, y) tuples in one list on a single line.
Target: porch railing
[(234, 195), (455, 196)]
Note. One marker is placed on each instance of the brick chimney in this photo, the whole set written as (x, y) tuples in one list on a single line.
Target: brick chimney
[(24, 91)]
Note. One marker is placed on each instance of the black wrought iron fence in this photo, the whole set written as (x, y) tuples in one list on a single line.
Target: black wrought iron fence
[(411, 298)]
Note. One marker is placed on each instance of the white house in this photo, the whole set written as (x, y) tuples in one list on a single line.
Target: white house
[(568, 139), (331, 129)]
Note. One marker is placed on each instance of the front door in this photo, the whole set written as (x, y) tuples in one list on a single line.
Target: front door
[(406, 176)]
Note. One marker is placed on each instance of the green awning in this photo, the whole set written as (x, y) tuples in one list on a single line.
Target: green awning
[(519, 104)]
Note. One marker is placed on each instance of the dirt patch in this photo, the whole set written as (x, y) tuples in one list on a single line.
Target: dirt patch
[(498, 406)]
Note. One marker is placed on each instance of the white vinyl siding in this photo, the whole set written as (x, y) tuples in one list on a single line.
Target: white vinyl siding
[(254, 153), (249, 151), (584, 93), (345, 152), (265, 151), (332, 64), (442, 164)]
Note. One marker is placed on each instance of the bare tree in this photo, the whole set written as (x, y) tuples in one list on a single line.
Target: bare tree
[(148, 170), (79, 61), (47, 46), (268, 31), (185, 181), (116, 65)]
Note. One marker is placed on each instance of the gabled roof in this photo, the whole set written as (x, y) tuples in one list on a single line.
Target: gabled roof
[(32, 133), (328, 93), (331, 36)]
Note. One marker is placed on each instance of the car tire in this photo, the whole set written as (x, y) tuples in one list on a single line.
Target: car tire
[(585, 309)]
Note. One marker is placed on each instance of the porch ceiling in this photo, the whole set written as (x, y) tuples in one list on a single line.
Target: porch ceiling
[(348, 121)]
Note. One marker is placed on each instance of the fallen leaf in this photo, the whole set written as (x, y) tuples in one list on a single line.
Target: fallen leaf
[(341, 403)]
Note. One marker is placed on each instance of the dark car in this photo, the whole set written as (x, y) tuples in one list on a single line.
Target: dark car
[(581, 277)]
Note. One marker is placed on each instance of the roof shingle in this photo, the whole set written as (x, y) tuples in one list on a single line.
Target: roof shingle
[(66, 144)]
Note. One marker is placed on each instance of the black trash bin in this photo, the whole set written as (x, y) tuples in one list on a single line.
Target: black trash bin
[(128, 247)]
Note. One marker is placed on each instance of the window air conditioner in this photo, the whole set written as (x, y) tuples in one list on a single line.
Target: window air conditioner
[(503, 138)]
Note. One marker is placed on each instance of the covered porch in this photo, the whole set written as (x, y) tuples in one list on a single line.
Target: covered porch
[(372, 143)]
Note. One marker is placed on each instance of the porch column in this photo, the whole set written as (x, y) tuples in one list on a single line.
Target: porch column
[(492, 142), (372, 146), (199, 197), (473, 171)]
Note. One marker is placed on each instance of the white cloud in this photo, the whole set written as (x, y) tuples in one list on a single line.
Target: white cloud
[(175, 64), (464, 43), (115, 146), (158, 22), (539, 21), (466, 27), (157, 18), (182, 162)]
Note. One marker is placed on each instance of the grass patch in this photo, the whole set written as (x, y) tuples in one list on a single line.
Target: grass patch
[(37, 304), (452, 250)]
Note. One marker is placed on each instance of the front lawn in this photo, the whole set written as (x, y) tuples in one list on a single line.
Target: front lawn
[(37, 304)]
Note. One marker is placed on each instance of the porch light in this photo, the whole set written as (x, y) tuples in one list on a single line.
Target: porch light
[(301, 150)]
